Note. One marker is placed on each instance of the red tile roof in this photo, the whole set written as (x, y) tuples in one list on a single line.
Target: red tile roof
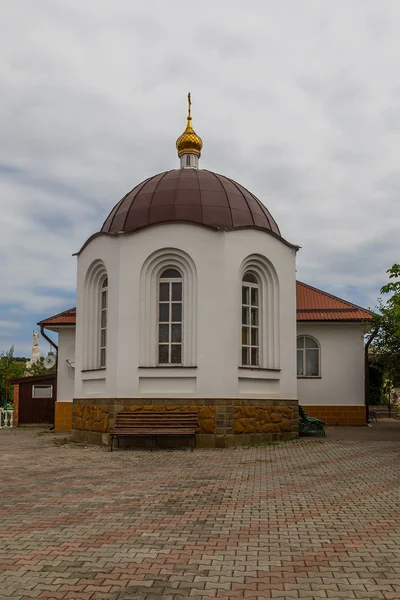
[(315, 305), (67, 317), (312, 305)]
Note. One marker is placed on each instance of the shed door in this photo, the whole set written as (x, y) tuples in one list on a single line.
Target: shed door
[(36, 403)]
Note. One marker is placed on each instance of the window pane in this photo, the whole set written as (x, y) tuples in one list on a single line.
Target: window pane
[(245, 336), (245, 294), (170, 274), (103, 338), (254, 316), (105, 283), (254, 357), (163, 333), (312, 363), (163, 313), (250, 278), (103, 357), (103, 299), (177, 312), (310, 343), (300, 342), (163, 354), (254, 296), (176, 333), (177, 291), (103, 318), (42, 391), (176, 352), (164, 291), (300, 363), (254, 336), (245, 316), (245, 356)]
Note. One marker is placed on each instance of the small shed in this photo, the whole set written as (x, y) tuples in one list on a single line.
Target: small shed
[(34, 399)]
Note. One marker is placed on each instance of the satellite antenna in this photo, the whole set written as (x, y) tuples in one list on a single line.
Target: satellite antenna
[(50, 360)]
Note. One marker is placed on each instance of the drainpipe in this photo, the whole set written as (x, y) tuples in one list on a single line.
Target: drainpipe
[(42, 333), (46, 337), (366, 371)]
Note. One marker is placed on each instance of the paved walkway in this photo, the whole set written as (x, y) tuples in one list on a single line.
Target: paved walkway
[(306, 519)]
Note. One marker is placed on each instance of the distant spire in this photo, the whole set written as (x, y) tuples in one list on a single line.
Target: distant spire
[(189, 144)]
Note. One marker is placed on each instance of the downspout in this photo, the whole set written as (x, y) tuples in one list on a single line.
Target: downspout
[(366, 371), (50, 342), (46, 337)]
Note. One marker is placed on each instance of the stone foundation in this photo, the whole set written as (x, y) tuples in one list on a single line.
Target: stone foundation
[(223, 422), (338, 415)]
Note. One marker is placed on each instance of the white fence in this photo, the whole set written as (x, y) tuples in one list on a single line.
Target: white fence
[(6, 418)]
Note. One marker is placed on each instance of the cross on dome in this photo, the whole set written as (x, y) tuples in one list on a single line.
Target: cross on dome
[(189, 144)]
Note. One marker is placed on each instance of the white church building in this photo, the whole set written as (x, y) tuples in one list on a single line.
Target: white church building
[(187, 297)]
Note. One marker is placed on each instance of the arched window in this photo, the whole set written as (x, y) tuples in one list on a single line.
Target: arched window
[(260, 313), (95, 306), (308, 357), (170, 317), (103, 322), (188, 160), (168, 310), (250, 320)]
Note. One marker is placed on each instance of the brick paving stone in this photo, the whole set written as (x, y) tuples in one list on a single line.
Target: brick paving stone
[(307, 519)]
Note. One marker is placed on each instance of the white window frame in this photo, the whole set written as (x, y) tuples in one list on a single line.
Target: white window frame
[(269, 315), (170, 323), (304, 353), (37, 387), (153, 266), (103, 315), (249, 286)]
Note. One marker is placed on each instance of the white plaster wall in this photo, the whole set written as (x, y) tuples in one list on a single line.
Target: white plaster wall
[(342, 365), (65, 373), (218, 256), (102, 382)]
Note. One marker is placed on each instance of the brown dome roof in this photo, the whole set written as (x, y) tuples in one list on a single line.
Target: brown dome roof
[(192, 196)]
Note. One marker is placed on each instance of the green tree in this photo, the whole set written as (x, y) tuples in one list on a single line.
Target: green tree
[(10, 368), (38, 368), (385, 347)]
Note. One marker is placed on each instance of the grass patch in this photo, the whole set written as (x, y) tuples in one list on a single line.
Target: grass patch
[(42, 433), (62, 441)]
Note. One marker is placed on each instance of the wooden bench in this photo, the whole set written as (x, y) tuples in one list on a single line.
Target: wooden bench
[(155, 424), (310, 424)]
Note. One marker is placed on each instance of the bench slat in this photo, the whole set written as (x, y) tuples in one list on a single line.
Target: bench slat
[(155, 423)]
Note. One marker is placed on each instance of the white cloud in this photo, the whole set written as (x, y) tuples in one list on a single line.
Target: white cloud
[(296, 100), (10, 324)]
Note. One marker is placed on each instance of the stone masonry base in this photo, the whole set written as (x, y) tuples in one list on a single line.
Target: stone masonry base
[(223, 423)]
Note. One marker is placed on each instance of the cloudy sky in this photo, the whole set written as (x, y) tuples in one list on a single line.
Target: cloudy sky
[(298, 101)]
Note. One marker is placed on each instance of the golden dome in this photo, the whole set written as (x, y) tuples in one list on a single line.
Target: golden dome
[(189, 141)]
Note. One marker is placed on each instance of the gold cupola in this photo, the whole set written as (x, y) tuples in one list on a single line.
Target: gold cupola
[(189, 143)]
